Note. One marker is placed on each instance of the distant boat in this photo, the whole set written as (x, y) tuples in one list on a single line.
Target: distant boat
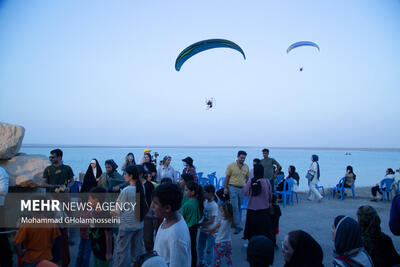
[(347, 154)]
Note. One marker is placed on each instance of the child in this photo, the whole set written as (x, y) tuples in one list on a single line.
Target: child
[(209, 220), (192, 211), (173, 239), (185, 178), (33, 244), (275, 215), (131, 227), (223, 240), (101, 239)]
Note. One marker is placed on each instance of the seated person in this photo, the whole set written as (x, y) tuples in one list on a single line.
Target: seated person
[(292, 174), (389, 175), (350, 177)]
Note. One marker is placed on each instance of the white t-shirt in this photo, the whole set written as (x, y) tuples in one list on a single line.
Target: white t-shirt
[(173, 244), (224, 231), (210, 210)]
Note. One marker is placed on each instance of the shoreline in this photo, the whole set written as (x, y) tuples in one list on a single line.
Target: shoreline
[(218, 147)]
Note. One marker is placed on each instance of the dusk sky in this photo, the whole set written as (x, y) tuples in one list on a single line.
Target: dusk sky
[(102, 73)]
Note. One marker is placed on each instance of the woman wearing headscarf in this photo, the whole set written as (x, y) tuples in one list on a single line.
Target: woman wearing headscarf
[(394, 221), (291, 174), (350, 177), (315, 173), (349, 251), (301, 250), (111, 180), (92, 174), (389, 175), (378, 245), (149, 166), (258, 219), (190, 168)]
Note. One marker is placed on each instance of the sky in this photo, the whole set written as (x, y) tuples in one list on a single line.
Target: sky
[(100, 72)]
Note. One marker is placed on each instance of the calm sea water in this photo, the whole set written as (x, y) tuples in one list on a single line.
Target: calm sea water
[(369, 166)]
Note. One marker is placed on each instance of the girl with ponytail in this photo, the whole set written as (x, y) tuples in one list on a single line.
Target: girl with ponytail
[(131, 218)]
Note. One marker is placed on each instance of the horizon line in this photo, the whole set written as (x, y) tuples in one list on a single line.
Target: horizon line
[(384, 149)]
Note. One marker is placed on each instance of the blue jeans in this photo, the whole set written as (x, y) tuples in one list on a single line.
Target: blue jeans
[(83, 259), (206, 241), (236, 199)]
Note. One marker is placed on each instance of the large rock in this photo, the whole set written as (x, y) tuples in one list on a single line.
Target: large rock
[(25, 170), (11, 137)]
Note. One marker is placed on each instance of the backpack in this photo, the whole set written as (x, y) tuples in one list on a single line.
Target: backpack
[(255, 187)]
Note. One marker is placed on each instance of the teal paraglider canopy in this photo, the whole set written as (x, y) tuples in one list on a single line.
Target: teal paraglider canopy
[(302, 43), (201, 46)]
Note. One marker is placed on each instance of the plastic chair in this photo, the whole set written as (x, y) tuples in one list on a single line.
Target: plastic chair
[(335, 188), (200, 175), (213, 178), (297, 198), (287, 194), (204, 181), (386, 187), (243, 206), (220, 183), (177, 176), (280, 177), (318, 187), (342, 189), (244, 203)]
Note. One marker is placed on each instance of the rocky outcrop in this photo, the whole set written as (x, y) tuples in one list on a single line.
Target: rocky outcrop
[(11, 137), (25, 170)]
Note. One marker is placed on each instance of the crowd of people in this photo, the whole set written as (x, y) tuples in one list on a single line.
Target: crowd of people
[(178, 222)]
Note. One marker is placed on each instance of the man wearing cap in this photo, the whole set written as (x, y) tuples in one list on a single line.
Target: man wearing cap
[(146, 151), (190, 169), (237, 174)]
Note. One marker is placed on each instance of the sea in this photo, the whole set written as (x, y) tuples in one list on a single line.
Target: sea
[(368, 165)]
